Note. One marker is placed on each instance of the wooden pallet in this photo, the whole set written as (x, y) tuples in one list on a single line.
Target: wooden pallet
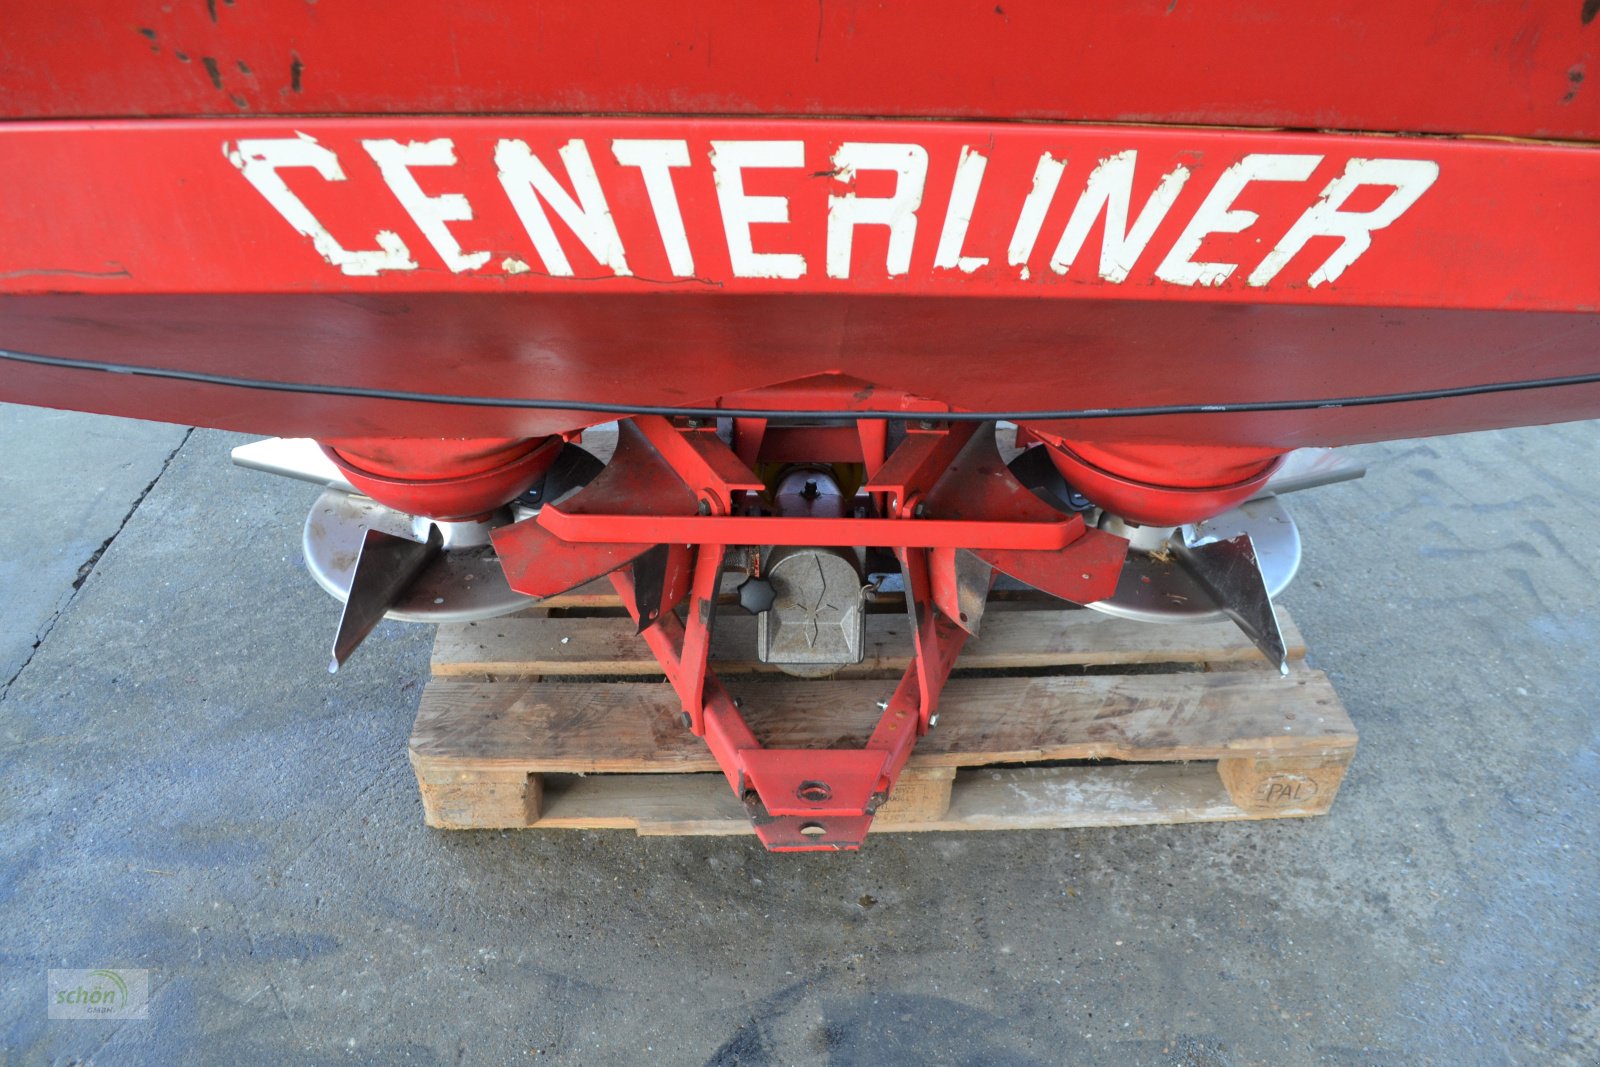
[(1056, 717)]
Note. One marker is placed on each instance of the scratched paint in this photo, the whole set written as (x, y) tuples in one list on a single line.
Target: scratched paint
[(260, 160)]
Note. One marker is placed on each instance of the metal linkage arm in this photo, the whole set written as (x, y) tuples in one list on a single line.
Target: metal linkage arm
[(799, 799)]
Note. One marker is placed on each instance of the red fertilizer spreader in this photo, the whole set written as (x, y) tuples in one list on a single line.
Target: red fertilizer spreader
[(926, 299)]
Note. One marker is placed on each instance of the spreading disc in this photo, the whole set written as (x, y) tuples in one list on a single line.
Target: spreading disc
[(459, 585), (1157, 587)]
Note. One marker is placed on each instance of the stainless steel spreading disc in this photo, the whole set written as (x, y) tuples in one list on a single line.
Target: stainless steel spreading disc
[(1155, 587), (463, 584)]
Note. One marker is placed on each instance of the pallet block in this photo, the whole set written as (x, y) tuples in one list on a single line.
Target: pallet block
[(1056, 717)]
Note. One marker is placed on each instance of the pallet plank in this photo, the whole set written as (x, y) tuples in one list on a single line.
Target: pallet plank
[(702, 803), (631, 727), (1011, 640), (1008, 798)]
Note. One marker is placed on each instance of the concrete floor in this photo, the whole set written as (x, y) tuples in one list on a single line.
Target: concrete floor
[(182, 788)]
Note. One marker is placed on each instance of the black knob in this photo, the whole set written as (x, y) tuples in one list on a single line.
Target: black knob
[(756, 595)]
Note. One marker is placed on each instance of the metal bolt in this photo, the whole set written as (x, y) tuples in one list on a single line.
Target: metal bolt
[(933, 720), (920, 511), (924, 424), (814, 792), (883, 705), (704, 508), (694, 424), (685, 721)]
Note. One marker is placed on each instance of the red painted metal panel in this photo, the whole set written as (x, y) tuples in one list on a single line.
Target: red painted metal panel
[(1525, 69), (771, 207), (1492, 274), (980, 354)]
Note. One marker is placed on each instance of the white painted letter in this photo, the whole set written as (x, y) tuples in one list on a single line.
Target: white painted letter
[(1410, 178), (430, 213), (655, 160), (898, 212), (1110, 188), (958, 215), (1046, 176), (259, 161), (729, 159), (527, 180), (1215, 215)]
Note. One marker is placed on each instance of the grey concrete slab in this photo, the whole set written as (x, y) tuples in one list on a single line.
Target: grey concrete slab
[(182, 789), (68, 482)]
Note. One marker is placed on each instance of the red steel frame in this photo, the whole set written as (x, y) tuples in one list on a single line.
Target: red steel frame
[(804, 799)]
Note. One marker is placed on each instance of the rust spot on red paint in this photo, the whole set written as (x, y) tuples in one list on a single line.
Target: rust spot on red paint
[(1574, 80)]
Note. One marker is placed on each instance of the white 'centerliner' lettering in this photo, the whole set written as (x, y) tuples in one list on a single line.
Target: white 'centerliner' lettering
[(535, 190)]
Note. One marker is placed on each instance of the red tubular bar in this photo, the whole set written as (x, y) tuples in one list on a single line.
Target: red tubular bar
[(714, 473), (843, 533)]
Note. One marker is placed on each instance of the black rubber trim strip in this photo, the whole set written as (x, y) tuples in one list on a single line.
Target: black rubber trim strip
[(539, 404)]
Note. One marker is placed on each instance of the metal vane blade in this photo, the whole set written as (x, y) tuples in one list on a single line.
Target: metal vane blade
[(1230, 572), (574, 468), (292, 457), (1033, 469), (649, 582), (384, 570), (1309, 468), (961, 583)]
